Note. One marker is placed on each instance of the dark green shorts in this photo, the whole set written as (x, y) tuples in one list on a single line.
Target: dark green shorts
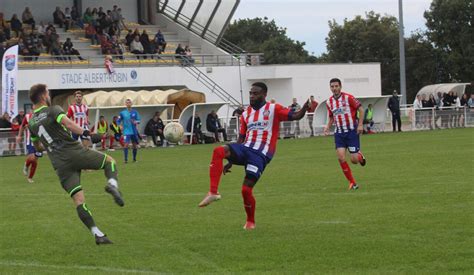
[(70, 173)]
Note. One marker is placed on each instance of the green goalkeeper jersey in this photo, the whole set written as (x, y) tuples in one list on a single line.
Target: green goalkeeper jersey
[(45, 125)]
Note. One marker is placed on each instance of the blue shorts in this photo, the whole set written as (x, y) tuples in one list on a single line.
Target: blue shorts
[(349, 140), (130, 138), (78, 137), (254, 161), (30, 149), (117, 136)]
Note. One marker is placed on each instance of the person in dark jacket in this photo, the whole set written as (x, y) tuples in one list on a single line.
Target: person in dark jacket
[(213, 125), (394, 106), (196, 128)]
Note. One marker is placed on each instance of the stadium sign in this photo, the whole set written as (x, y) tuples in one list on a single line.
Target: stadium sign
[(97, 78), (9, 79)]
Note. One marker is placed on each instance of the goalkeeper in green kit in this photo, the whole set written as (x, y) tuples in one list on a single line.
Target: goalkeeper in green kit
[(51, 131)]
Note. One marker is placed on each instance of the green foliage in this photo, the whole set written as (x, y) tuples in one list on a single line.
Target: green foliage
[(451, 29), (413, 213), (259, 35)]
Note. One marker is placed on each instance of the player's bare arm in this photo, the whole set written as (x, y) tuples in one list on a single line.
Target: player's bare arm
[(301, 112), (360, 126), (328, 126), (20, 134), (38, 146)]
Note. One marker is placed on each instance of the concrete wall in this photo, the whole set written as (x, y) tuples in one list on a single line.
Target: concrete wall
[(284, 82)]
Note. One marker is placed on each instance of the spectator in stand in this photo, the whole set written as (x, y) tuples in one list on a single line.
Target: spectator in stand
[(213, 125), (310, 114), (68, 49), (115, 16), (129, 38), (145, 40), (56, 49), (3, 37), (464, 100), (105, 44), (180, 53), (121, 24), (67, 19), (113, 30), (160, 42), (430, 103), (59, 17), (16, 25), (394, 106), (41, 30), (91, 33), (27, 18), (87, 18), (196, 129), (189, 54), (51, 27), (95, 17), (23, 49), (5, 27), (136, 47), (470, 102), (105, 21), (76, 18), (117, 47), (33, 45), (47, 40), (100, 12)]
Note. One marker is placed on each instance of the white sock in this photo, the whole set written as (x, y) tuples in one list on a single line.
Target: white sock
[(95, 231), (113, 182)]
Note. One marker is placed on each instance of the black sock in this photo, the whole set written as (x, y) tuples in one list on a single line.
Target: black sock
[(85, 215)]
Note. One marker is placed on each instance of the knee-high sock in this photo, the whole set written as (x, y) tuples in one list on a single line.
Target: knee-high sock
[(85, 215), (111, 142), (110, 171), (34, 163), (347, 171), (125, 152), (249, 202), (134, 151), (28, 162), (216, 167)]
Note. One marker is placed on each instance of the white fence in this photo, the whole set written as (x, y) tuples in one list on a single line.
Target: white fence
[(412, 120)]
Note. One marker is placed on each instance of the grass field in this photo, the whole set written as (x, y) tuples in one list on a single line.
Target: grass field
[(414, 213)]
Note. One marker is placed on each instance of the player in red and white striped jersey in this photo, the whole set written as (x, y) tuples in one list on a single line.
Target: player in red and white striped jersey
[(342, 109), (260, 125), (79, 113), (31, 161)]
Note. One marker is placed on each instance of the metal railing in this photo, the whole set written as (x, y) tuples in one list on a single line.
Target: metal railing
[(139, 60), (198, 29)]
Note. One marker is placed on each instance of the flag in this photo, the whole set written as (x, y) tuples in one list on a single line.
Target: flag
[(9, 81)]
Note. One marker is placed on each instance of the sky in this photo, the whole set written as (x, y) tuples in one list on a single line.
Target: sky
[(307, 20)]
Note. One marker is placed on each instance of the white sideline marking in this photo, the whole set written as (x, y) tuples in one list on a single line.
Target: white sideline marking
[(333, 222), (82, 267)]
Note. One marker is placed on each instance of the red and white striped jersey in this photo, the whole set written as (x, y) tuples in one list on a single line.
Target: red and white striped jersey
[(80, 115), (261, 127), (344, 112), (24, 124)]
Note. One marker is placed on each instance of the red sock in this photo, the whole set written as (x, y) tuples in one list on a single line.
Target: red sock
[(28, 162), (121, 141), (103, 142), (249, 203), (34, 163), (216, 167), (347, 171)]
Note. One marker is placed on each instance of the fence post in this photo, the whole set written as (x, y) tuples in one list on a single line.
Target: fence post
[(465, 116), (433, 122)]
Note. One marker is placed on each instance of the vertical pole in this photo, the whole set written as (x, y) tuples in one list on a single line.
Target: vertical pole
[(240, 82), (192, 126), (403, 88)]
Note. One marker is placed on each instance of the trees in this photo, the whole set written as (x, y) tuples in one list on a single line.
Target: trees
[(259, 35), (451, 30)]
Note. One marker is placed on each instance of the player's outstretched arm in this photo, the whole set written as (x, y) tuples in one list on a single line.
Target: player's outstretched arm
[(301, 112)]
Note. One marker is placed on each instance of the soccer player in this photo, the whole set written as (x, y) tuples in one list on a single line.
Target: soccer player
[(129, 118), (342, 108), (260, 124), (50, 128), (79, 113), (29, 168)]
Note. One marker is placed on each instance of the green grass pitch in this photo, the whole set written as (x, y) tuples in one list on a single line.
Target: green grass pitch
[(413, 213)]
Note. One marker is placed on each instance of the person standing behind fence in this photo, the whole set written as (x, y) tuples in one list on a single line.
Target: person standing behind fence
[(310, 115), (394, 106), (417, 106), (430, 103), (295, 107)]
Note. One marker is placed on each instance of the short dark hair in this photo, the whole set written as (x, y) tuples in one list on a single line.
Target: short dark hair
[(36, 91), (335, 80), (261, 85), (78, 93)]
